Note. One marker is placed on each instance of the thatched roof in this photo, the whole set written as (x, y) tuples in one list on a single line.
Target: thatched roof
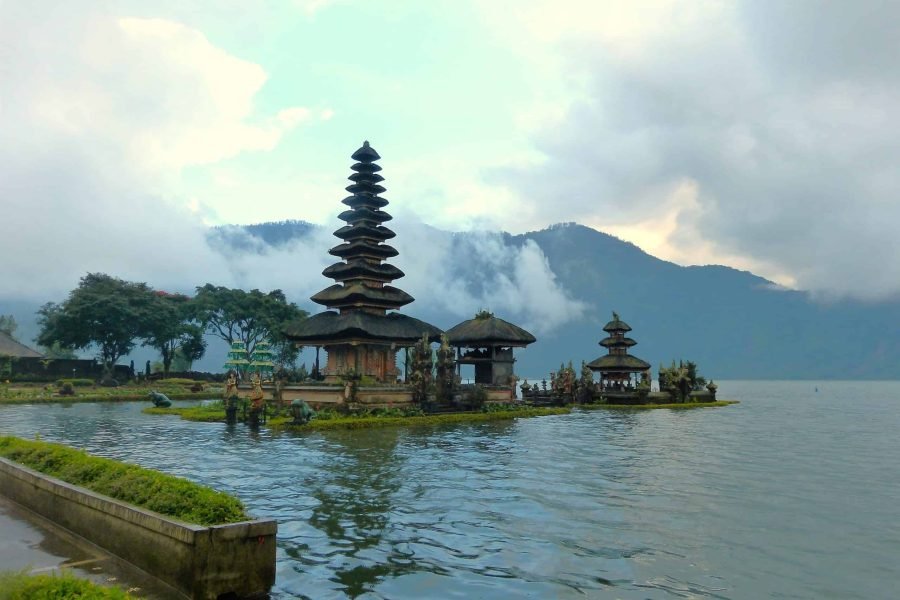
[(486, 329), (613, 342), (360, 294), (619, 362), (616, 324), (332, 327), (10, 347)]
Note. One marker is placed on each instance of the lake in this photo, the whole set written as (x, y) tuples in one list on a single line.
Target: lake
[(794, 493)]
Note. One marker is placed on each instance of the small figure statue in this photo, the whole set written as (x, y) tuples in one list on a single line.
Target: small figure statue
[(231, 385), (159, 399), (257, 396)]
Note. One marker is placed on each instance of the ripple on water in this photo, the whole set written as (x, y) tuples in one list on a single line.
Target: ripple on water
[(789, 494)]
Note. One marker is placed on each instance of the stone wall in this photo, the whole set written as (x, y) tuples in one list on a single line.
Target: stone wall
[(204, 563)]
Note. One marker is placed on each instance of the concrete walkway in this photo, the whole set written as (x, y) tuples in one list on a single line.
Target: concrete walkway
[(28, 541)]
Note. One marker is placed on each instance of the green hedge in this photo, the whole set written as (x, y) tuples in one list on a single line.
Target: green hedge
[(161, 493), (21, 586)]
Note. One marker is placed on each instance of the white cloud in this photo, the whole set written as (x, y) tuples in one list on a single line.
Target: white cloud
[(782, 121), (99, 115)]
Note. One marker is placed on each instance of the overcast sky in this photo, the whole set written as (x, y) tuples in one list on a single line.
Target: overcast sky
[(761, 135)]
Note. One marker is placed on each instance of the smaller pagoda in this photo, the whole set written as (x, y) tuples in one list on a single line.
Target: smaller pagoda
[(619, 370), (487, 342)]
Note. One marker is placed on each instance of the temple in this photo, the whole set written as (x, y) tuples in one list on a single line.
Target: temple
[(360, 333), (487, 342), (619, 370)]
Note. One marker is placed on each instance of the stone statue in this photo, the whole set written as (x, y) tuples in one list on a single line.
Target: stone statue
[(159, 399), (301, 412), (231, 385), (257, 396)]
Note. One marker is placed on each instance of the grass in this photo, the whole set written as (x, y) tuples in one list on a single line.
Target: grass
[(675, 406), (155, 491), (40, 393), (215, 412), (22, 586), (212, 412), (367, 421)]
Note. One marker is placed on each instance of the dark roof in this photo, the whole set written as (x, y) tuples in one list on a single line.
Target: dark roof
[(484, 329), (360, 294), (616, 324), (333, 327), (359, 248), (364, 214), (362, 269), (359, 230), (10, 347), (619, 362), (365, 154), (614, 342)]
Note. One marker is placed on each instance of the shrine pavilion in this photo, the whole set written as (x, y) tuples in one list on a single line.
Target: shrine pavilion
[(619, 370), (361, 333), (487, 342)]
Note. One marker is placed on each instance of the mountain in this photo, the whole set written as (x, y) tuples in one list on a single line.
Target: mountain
[(733, 323)]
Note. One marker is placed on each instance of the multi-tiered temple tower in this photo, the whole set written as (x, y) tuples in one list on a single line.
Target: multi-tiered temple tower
[(359, 333), (618, 370)]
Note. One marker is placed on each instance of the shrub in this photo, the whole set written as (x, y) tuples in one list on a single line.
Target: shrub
[(161, 493), (66, 389)]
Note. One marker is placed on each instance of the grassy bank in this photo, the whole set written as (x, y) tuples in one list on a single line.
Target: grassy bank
[(22, 586), (367, 421), (40, 394), (215, 412), (155, 491), (675, 406)]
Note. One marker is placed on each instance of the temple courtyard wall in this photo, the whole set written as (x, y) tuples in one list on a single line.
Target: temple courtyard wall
[(234, 561)]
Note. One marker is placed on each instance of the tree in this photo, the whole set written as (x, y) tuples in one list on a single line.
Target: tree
[(55, 351), (9, 326), (249, 317), (172, 330), (103, 311)]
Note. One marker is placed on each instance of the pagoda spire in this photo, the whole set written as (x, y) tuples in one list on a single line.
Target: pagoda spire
[(362, 275)]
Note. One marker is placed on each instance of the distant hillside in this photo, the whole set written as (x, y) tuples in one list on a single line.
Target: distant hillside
[(732, 323)]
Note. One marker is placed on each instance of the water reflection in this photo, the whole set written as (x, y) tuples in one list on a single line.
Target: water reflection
[(594, 504)]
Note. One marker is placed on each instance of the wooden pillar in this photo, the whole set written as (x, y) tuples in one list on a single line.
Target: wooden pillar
[(317, 362)]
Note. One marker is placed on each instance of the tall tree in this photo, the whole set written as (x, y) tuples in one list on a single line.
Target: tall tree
[(172, 330), (9, 326), (250, 317), (103, 311)]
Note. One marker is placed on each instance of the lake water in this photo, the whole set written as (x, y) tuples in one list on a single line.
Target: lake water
[(794, 493)]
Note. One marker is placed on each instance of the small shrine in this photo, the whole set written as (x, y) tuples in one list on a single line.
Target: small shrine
[(487, 342), (361, 333), (619, 370)]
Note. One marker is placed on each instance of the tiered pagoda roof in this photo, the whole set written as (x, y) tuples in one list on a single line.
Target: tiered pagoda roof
[(361, 294), (617, 344)]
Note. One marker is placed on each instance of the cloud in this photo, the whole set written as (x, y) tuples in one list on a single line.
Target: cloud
[(784, 118), (459, 274), (99, 114)]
